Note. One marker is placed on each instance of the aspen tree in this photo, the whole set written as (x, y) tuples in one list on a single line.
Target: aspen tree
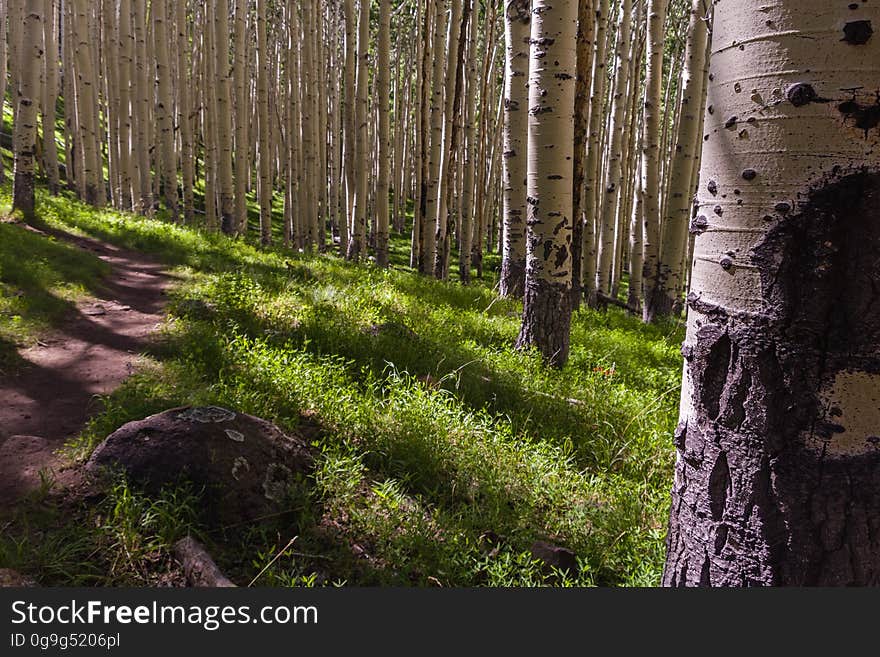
[(358, 238), (383, 98), (429, 227), (223, 117), (27, 93), (142, 115), (674, 240), (467, 194), (50, 94), (263, 122), (547, 311), (517, 31), (4, 13), (614, 175), (447, 152), (125, 45), (776, 465), (585, 32), (422, 135), (184, 79), (241, 171), (165, 106), (651, 187), (87, 112), (593, 164)]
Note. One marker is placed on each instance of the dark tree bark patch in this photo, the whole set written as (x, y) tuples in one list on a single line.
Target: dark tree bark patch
[(772, 481)]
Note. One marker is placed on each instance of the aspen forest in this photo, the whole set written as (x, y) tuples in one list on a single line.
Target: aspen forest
[(439, 293)]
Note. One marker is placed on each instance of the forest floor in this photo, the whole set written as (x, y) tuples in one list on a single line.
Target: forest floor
[(443, 455), (56, 385)]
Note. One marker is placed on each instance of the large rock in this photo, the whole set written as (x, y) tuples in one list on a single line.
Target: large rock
[(246, 464)]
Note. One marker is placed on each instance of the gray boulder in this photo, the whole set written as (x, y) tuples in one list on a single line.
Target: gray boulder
[(245, 463)]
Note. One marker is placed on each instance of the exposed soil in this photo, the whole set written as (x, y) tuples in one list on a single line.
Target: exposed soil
[(53, 395)]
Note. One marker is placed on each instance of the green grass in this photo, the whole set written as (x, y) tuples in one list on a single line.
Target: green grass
[(443, 453)]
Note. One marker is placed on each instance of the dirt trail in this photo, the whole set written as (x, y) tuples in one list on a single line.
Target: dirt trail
[(91, 353)]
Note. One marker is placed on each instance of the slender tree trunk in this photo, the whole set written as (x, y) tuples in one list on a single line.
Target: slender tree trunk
[(614, 175), (517, 31), (547, 312), (142, 146), (165, 106), (358, 238), (263, 105), (87, 107), (669, 281), (27, 95), (581, 126), (50, 95), (383, 66), (651, 187), (429, 229), (241, 172), (467, 195), (777, 461), (223, 94)]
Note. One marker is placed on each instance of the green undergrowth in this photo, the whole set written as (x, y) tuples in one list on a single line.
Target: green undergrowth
[(443, 454)]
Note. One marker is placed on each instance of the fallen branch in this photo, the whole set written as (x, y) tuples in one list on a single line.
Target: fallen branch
[(198, 566), (603, 300)]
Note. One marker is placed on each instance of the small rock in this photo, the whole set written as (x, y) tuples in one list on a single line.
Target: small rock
[(555, 556)]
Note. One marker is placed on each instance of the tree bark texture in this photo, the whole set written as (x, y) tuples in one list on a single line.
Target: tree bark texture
[(777, 476)]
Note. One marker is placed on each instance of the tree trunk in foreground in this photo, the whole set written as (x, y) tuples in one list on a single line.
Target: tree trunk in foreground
[(777, 480), (547, 311)]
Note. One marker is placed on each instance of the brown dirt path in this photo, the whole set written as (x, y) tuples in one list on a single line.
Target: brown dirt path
[(91, 353)]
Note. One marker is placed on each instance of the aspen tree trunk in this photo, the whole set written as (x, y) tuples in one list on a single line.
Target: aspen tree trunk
[(547, 311), (517, 31), (422, 135), (651, 155), (87, 107), (614, 176), (593, 164), (241, 171), (670, 279), (223, 117), (467, 195), (126, 45), (209, 122), (165, 106), (429, 228), (349, 113), (50, 94), (142, 146), (358, 237), (184, 79), (293, 102), (49, 79), (27, 95), (4, 12), (308, 200), (485, 132), (108, 65), (447, 154), (383, 66), (581, 126), (777, 461), (263, 104)]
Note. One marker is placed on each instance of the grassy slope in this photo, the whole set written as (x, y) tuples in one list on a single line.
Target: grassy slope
[(444, 453)]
